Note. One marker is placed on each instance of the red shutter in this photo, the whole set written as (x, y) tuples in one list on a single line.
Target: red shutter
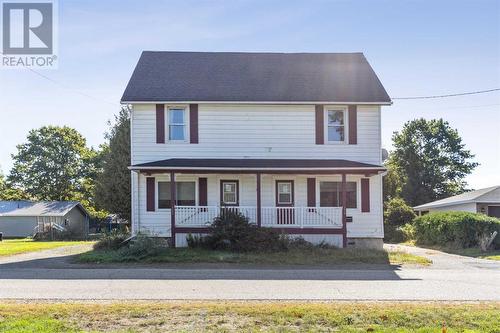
[(311, 192), (320, 125), (365, 195), (160, 123), (193, 123), (150, 194), (202, 192), (353, 124)]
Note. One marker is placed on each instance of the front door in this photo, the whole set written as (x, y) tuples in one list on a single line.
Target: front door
[(284, 202)]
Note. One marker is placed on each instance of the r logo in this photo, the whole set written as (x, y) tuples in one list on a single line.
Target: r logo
[(27, 28)]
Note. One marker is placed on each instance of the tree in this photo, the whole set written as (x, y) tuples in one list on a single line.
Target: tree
[(430, 161), (54, 164), (398, 213), (112, 192), (9, 193), (392, 183)]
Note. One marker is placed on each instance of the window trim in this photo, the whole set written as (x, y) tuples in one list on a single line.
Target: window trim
[(292, 194), (237, 183), (344, 109), (157, 192), (185, 108), (358, 191)]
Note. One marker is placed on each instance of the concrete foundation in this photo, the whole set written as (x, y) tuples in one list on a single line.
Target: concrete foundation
[(365, 243)]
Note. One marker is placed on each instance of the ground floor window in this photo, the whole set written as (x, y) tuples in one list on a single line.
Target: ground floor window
[(185, 193), (229, 192), (284, 192), (330, 194)]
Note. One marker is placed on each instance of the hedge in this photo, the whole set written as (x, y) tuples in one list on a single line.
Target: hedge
[(397, 213), (459, 229)]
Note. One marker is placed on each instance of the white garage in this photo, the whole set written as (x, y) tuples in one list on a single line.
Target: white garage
[(485, 201), (24, 218)]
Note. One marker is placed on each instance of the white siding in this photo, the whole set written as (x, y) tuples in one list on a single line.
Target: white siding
[(255, 131), (17, 226), (181, 239), (77, 222), (465, 207), (335, 240), (368, 224)]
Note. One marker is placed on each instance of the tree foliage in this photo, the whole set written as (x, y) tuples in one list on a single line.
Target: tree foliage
[(56, 164), (429, 162), (112, 192), (52, 164), (9, 193), (398, 213)]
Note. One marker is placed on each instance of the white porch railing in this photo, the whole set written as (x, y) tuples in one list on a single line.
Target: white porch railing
[(202, 215), (278, 217), (195, 216), (302, 217)]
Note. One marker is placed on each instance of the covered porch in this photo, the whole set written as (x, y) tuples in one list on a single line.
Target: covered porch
[(301, 197)]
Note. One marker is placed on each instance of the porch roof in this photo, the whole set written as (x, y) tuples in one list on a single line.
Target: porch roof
[(255, 165)]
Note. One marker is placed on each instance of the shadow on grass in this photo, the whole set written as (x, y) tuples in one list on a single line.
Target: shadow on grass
[(194, 264)]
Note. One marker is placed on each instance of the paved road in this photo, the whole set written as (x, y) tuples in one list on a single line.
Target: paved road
[(52, 275)]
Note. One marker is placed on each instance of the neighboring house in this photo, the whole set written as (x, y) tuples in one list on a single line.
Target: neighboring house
[(290, 140), (486, 201), (24, 218)]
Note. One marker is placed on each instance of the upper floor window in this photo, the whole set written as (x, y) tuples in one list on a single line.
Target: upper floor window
[(176, 124), (335, 123)]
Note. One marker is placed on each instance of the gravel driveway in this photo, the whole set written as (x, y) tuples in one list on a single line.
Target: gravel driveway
[(52, 275)]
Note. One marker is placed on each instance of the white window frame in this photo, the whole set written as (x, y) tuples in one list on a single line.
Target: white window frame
[(290, 183), (185, 108), (157, 194), (322, 180), (344, 109), (236, 190)]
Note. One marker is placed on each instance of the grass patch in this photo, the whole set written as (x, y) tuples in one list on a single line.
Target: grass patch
[(476, 253), (314, 256), (400, 257), (15, 246), (469, 252), (249, 316)]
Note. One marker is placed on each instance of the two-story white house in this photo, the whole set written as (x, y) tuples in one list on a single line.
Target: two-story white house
[(291, 140)]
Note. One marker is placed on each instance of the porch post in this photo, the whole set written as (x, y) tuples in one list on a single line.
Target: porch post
[(259, 212), (172, 207), (344, 211)]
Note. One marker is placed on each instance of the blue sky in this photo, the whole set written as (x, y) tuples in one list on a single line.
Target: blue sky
[(416, 48)]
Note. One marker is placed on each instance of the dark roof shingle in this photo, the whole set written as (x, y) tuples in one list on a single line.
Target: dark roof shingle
[(253, 163), (254, 77)]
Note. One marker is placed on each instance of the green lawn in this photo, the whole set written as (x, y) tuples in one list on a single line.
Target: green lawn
[(249, 316), (315, 256), (15, 246), (477, 253), (469, 252)]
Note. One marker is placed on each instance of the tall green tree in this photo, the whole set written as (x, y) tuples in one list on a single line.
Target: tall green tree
[(392, 182), (429, 161), (53, 164), (112, 192), (7, 192)]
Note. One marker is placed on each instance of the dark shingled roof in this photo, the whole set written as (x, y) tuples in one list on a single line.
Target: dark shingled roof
[(247, 163), (254, 77)]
